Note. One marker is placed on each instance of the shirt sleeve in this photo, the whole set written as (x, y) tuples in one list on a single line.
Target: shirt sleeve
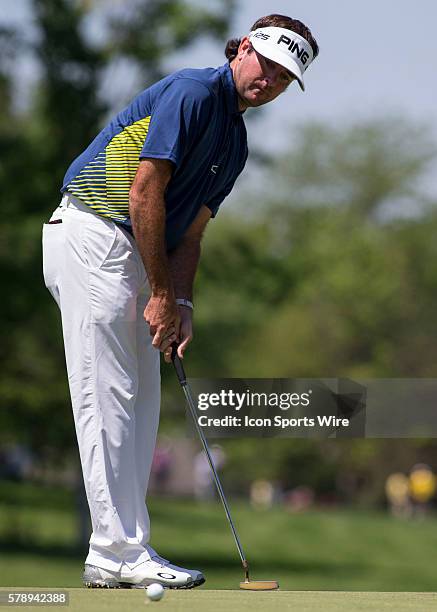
[(214, 203), (180, 115)]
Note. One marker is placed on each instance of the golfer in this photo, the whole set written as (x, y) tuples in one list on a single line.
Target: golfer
[(120, 255)]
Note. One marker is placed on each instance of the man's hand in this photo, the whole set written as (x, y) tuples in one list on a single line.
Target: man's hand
[(185, 333), (161, 313)]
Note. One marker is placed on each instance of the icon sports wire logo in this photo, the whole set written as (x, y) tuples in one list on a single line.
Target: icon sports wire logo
[(250, 399)]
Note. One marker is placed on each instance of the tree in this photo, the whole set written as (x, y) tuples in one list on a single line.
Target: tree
[(322, 281)]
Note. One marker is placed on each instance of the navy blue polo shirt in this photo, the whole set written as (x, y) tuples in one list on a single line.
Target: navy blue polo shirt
[(190, 118)]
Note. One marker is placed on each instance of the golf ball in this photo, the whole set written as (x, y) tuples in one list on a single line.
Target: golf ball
[(155, 591)]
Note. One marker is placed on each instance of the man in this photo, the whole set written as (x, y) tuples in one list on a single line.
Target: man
[(120, 257)]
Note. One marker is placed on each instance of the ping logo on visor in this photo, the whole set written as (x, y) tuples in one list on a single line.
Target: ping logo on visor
[(285, 48), (293, 45)]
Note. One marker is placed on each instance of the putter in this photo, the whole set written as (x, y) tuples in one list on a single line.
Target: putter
[(248, 584)]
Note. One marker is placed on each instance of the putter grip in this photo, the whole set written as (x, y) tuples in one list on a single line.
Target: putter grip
[(178, 364)]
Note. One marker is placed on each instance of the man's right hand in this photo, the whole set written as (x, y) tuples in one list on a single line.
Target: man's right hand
[(162, 315)]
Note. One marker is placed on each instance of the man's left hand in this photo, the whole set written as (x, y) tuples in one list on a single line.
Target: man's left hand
[(185, 332)]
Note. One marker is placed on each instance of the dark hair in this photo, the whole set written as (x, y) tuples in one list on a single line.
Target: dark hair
[(278, 21)]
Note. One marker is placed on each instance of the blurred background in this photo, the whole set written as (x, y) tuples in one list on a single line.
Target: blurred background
[(321, 263)]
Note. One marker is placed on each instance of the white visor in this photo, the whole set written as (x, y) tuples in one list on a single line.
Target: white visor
[(285, 48)]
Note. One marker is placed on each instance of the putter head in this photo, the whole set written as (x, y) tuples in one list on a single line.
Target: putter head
[(259, 585)]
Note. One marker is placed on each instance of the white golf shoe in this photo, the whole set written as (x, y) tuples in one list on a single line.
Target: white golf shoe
[(155, 570), (196, 575)]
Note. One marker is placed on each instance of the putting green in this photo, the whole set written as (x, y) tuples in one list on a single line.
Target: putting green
[(199, 600)]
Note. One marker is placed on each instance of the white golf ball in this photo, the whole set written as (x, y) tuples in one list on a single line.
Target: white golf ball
[(155, 591)]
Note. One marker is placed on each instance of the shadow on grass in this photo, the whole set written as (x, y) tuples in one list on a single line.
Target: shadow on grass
[(213, 561)]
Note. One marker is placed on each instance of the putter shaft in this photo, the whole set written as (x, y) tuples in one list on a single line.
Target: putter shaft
[(218, 484), (190, 401)]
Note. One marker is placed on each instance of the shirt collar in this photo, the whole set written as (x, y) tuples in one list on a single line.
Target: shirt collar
[(231, 95)]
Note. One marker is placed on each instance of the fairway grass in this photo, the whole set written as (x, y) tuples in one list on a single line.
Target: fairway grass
[(202, 600), (336, 550)]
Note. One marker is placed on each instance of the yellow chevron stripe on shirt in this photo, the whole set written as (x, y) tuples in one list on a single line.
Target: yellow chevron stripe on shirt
[(104, 183), (122, 162)]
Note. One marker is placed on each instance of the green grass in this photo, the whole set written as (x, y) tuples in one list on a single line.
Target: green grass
[(199, 600), (320, 550)]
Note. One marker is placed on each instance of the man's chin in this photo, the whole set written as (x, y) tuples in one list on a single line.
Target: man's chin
[(254, 101), (258, 102)]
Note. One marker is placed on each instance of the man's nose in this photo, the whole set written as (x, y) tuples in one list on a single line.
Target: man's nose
[(271, 77)]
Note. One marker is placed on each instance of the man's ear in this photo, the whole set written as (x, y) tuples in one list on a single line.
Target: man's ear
[(245, 45)]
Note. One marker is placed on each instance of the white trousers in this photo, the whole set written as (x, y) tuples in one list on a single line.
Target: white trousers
[(95, 273)]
